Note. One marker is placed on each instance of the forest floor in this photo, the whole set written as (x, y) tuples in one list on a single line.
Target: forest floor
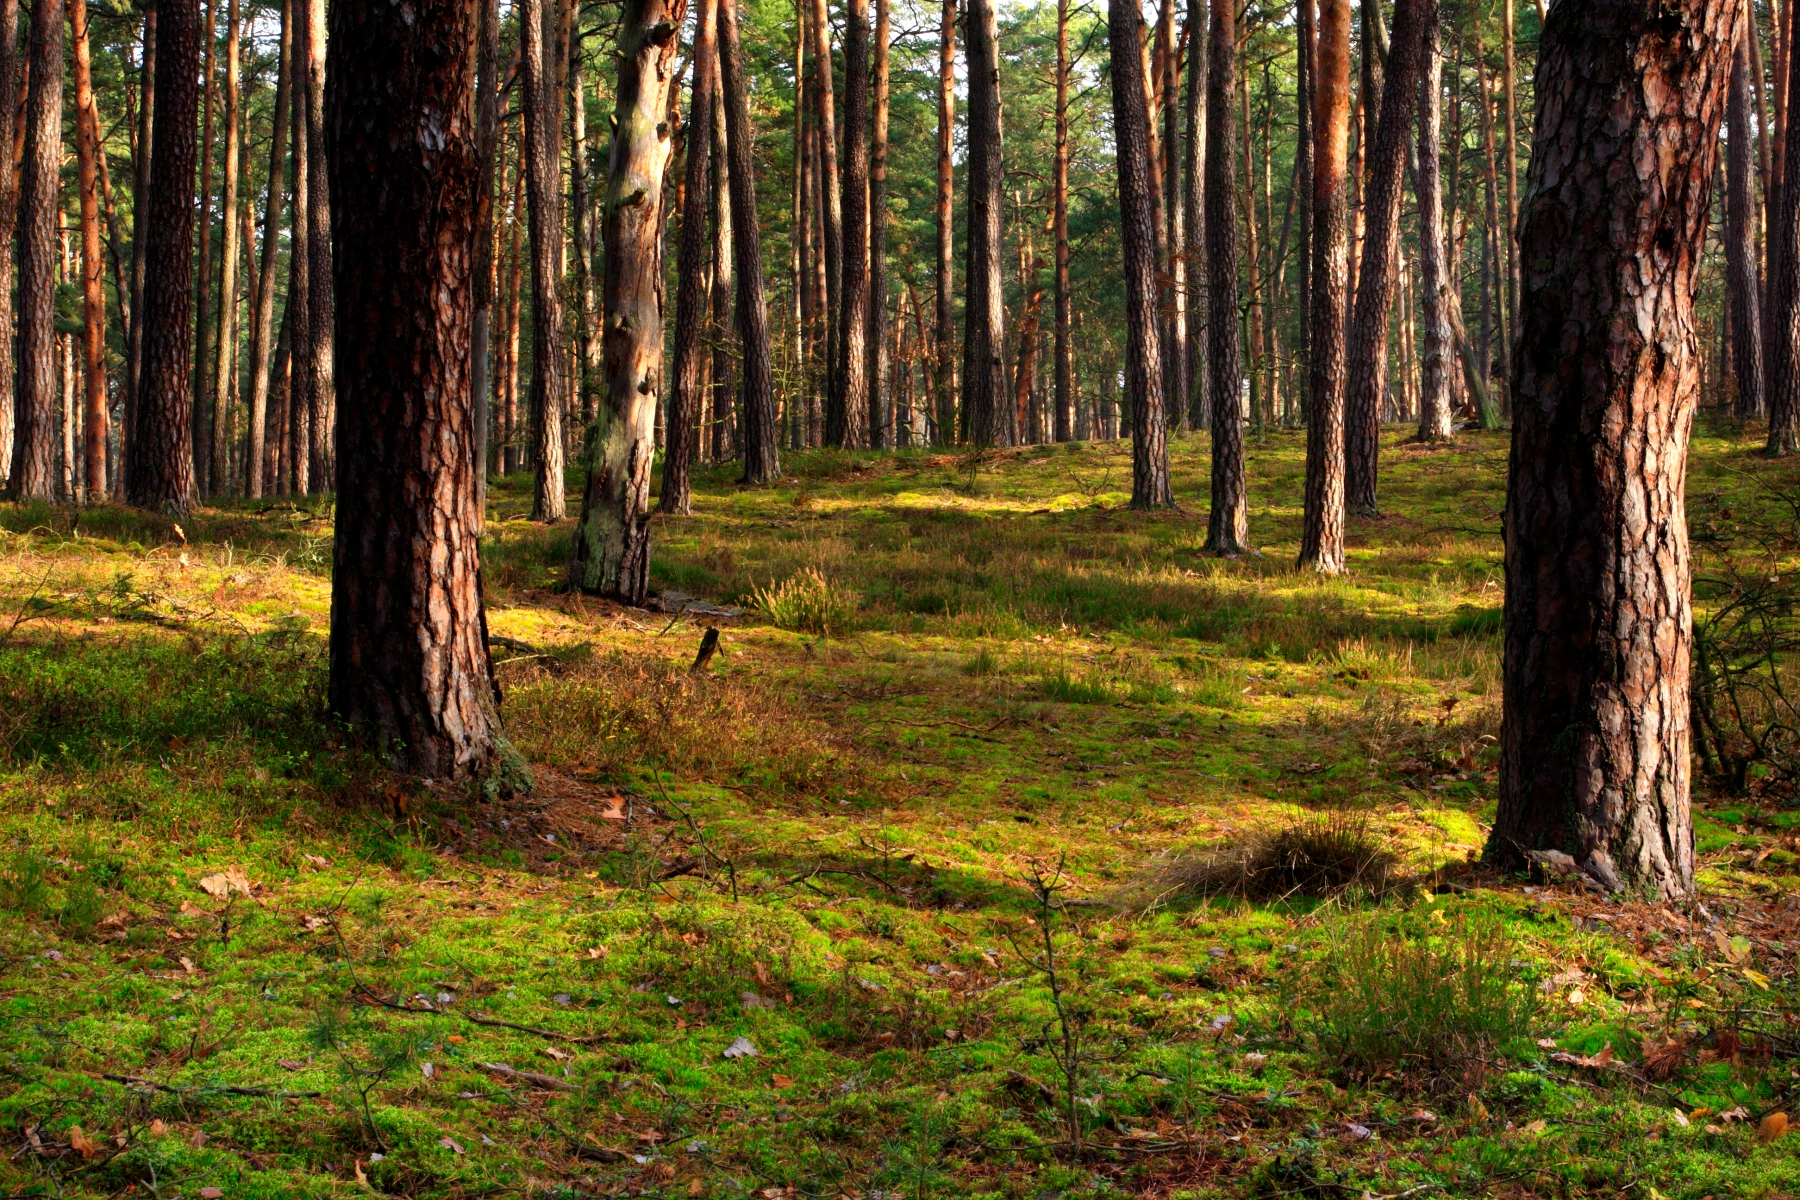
[(907, 894)]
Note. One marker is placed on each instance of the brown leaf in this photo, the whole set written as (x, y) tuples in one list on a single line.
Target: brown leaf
[(781, 1081), (1772, 1127), (199, 1139), (451, 1144), (187, 964), (211, 1193), (614, 810), (289, 1064), (158, 1128), (81, 1143), (316, 861), (215, 885), (190, 909)]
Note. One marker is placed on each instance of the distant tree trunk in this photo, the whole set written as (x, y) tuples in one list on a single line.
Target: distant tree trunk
[(847, 403), (1367, 345), (543, 189), (1510, 66), (1435, 402), (724, 284), (225, 338), (161, 469), (487, 142), (9, 204), (689, 392), (409, 660), (1594, 740), (1193, 200), (881, 402), (300, 259), (265, 279), (1174, 224), (832, 215), (1228, 524), (93, 264), (1322, 531), (202, 413), (1782, 336), (944, 348), (1484, 101), (1740, 238), (984, 301), (320, 388), (34, 451), (1150, 488), (762, 454), (1304, 69), (1774, 201), (1253, 263), (611, 552), (587, 341), (1065, 383)]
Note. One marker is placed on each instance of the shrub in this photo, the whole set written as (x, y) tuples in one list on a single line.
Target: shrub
[(807, 602), (1312, 856), (1426, 998)]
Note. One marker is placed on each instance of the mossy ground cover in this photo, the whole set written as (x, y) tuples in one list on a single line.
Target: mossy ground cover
[(910, 838)]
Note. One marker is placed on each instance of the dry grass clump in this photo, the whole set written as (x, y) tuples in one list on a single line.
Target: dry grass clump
[(1313, 856)]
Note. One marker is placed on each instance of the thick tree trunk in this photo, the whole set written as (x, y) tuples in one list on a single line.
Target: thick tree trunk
[(1195, 403), (847, 405), (225, 336), (1436, 407), (611, 551), (984, 303), (689, 392), (762, 454), (265, 279), (202, 412), (944, 346), (34, 438), (1228, 523), (543, 189), (1366, 349), (881, 402), (1150, 488), (93, 264), (161, 470), (1740, 238), (321, 390), (1594, 733), (1322, 532), (1065, 382), (409, 660)]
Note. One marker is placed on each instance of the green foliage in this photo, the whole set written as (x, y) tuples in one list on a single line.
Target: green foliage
[(24, 883), (808, 602), (1067, 687)]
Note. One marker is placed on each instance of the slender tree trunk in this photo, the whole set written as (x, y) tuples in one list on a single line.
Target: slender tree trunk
[(410, 669), (881, 403), (1065, 383), (1150, 488), (9, 204), (1594, 741), (487, 141), (832, 215), (1253, 264), (265, 280), (690, 291), (587, 342), (1198, 409), (275, 445), (93, 265), (543, 189), (224, 341), (944, 350), (1782, 335), (1322, 532), (762, 456), (1740, 237), (1228, 524), (724, 284), (847, 403), (1510, 66), (300, 478), (34, 452), (984, 303), (1496, 265), (321, 390), (1305, 67), (611, 551), (203, 315), (1435, 402), (1367, 345), (1774, 200), (160, 473), (1174, 225)]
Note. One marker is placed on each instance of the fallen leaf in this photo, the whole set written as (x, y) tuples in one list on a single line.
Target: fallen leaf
[(1477, 1110), (1577, 996), (190, 909), (360, 1177), (558, 1055), (1537, 1126), (211, 1193), (695, 1188), (781, 1081), (741, 1047), (1681, 1118), (199, 1139), (314, 924), (158, 1128), (215, 885), (187, 964), (316, 861), (289, 1064), (614, 810), (1740, 1113), (81, 1143), (1772, 1127), (449, 1143), (762, 973), (1756, 977)]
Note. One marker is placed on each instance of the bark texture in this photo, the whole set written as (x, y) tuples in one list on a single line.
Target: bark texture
[(93, 265), (225, 335), (847, 404), (1065, 381), (34, 430), (689, 392), (1436, 349), (265, 279), (1595, 735), (984, 302), (409, 658), (321, 392), (881, 401), (611, 551), (1742, 284), (762, 453), (9, 205), (1228, 523), (944, 328), (1193, 198), (543, 191)]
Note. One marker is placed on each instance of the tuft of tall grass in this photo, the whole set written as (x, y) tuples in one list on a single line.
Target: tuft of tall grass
[(1312, 856), (808, 602), (1066, 688)]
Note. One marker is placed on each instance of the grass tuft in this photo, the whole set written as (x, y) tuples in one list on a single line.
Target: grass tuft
[(1312, 857), (808, 602)]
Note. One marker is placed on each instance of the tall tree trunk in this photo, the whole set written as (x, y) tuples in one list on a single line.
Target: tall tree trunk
[(34, 452), (1496, 264), (410, 670), (481, 341), (847, 403), (1509, 64), (321, 388), (762, 454), (1195, 403), (587, 342), (690, 290), (9, 204), (1253, 264), (984, 302), (543, 189), (1740, 237), (1436, 408), (611, 551), (944, 347), (225, 339), (160, 472), (1322, 531), (1150, 488), (1065, 383), (1228, 524), (881, 402), (265, 279), (1174, 224), (1366, 351), (203, 316), (300, 259), (93, 266), (1782, 334), (1774, 200), (832, 215), (1594, 739), (724, 282), (1300, 198)]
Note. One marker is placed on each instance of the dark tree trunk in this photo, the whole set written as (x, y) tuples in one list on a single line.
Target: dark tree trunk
[(265, 279), (689, 392), (1174, 227), (321, 391), (1594, 739), (611, 551), (96, 410), (581, 238), (848, 401), (1300, 198), (1740, 239), (832, 215), (1065, 383), (543, 190), (34, 445), (984, 302), (1366, 348), (201, 412), (1137, 216), (1782, 336), (300, 259), (1197, 407), (762, 452), (487, 141), (1322, 531), (1436, 407), (881, 402), (944, 344), (1228, 524), (9, 203), (224, 339), (161, 449), (409, 659), (724, 283)]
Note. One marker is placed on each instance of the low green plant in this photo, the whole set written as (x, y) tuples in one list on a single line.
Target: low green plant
[(24, 887), (808, 602), (82, 905), (1067, 688), (982, 664)]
